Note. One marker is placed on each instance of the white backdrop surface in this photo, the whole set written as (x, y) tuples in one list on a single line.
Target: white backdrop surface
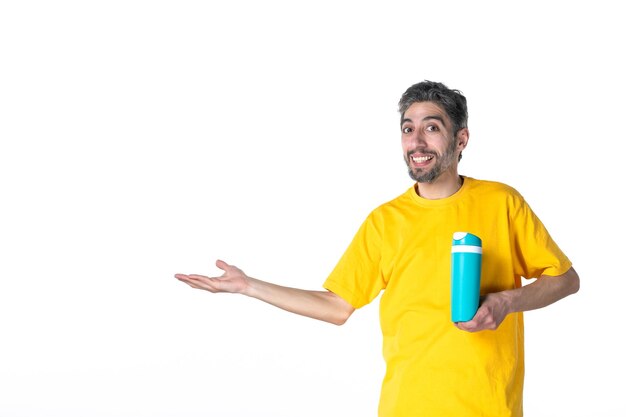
[(139, 139)]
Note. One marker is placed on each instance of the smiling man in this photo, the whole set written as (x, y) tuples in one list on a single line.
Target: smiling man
[(435, 367), (432, 146)]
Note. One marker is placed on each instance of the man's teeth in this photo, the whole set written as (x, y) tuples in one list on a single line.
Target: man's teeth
[(421, 158)]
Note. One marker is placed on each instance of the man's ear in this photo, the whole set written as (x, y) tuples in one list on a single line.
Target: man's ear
[(462, 137)]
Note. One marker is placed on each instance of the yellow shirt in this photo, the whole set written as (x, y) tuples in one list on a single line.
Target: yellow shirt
[(403, 248)]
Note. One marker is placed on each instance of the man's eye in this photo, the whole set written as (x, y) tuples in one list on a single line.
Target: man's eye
[(432, 128), (406, 130)]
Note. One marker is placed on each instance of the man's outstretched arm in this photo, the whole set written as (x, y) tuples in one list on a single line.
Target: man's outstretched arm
[(320, 305)]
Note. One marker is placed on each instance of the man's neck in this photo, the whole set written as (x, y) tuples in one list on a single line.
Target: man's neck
[(442, 187)]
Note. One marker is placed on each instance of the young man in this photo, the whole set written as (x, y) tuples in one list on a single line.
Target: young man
[(436, 367)]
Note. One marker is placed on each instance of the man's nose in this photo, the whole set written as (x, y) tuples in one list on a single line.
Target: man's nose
[(417, 139)]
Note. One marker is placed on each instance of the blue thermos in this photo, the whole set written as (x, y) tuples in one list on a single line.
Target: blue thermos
[(467, 252)]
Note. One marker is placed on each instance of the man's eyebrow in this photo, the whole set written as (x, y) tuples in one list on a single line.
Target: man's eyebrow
[(426, 118), (434, 118)]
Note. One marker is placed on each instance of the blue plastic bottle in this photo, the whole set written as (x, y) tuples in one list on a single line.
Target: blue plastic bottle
[(467, 253)]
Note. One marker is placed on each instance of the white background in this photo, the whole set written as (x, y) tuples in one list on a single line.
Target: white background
[(144, 138)]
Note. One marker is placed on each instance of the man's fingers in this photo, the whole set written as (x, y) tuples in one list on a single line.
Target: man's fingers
[(196, 276), (188, 276), (468, 326), (200, 282)]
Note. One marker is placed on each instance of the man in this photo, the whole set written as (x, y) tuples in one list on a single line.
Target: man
[(436, 367)]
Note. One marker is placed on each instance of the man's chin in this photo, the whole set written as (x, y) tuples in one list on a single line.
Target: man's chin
[(423, 177)]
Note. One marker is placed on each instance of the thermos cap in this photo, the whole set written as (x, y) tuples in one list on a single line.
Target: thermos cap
[(465, 238)]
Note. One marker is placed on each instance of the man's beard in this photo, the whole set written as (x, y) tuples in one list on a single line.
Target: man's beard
[(443, 163)]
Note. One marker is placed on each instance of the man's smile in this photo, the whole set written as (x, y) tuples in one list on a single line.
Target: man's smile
[(419, 159)]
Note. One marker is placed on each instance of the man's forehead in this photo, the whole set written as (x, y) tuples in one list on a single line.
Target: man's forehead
[(424, 110)]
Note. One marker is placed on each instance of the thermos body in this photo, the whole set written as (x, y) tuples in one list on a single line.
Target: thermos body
[(466, 265)]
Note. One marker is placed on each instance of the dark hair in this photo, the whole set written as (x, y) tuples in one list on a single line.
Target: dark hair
[(452, 101)]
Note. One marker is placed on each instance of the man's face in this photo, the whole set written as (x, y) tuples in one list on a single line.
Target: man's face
[(428, 142)]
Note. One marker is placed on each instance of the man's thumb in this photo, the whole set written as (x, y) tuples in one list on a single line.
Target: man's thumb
[(221, 265)]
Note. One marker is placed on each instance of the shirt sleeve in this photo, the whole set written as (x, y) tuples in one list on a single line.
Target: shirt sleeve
[(357, 277), (535, 252)]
